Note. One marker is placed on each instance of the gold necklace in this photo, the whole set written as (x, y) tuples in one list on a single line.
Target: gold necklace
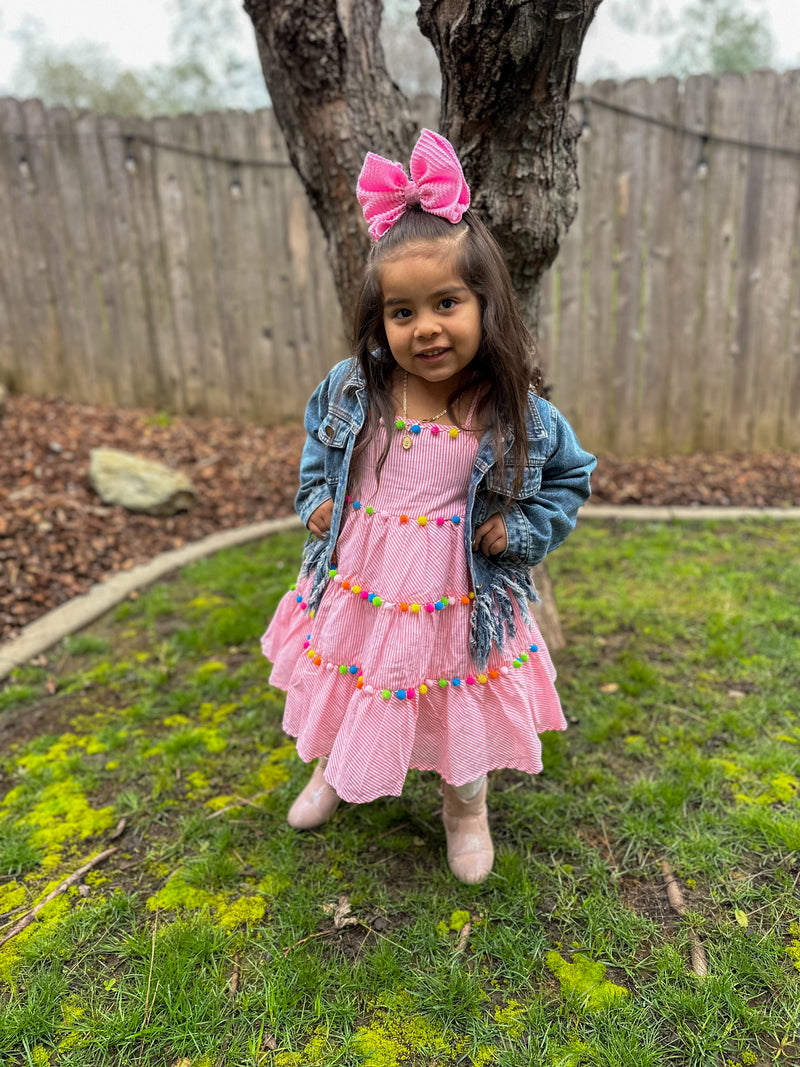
[(402, 424)]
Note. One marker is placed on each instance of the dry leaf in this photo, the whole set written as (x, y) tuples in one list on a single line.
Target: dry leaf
[(609, 687), (341, 913), (741, 918)]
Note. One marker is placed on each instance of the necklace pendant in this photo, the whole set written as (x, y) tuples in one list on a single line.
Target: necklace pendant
[(407, 442)]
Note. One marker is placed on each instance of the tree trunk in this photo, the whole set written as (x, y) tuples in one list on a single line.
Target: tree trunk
[(507, 71), (334, 100)]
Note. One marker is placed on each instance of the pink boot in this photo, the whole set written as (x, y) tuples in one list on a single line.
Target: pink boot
[(316, 803), (470, 853)]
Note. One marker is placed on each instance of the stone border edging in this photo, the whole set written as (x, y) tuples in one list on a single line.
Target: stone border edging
[(43, 633), (648, 513)]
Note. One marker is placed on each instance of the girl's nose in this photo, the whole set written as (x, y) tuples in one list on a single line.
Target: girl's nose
[(427, 326)]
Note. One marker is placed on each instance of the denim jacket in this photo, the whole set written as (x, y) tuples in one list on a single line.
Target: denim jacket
[(540, 516)]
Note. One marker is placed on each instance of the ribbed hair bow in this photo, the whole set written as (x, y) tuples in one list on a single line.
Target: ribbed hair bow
[(437, 184)]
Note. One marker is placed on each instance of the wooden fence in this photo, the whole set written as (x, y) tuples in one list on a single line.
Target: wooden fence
[(671, 318), (141, 265)]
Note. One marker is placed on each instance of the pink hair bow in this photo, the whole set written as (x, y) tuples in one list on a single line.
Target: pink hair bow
[(436, 183)]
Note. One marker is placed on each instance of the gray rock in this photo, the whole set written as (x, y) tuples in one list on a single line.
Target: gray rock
[(139, 484)]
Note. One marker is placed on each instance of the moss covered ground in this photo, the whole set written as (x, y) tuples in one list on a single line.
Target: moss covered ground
[(213, 935)]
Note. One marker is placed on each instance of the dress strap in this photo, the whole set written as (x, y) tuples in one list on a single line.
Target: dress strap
[(471, 412)]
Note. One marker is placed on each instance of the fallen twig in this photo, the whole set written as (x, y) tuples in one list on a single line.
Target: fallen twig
[(76, 876), (233, 985), (466, 929), (678, 904)]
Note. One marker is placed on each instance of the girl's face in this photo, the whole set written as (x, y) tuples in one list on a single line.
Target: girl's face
[(432, 320)]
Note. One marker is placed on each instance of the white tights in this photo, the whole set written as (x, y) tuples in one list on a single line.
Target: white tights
[(469, 790)]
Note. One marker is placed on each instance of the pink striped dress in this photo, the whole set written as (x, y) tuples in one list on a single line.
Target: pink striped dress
[(381, 678)]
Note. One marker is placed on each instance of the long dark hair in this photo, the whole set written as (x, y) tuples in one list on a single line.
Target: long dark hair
[(505, 357)]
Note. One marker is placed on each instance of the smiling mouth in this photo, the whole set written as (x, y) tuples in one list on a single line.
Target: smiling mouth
[(431, 353)]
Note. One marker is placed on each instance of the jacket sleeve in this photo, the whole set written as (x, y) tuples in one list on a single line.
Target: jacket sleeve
[(313, 489), (537, 524)]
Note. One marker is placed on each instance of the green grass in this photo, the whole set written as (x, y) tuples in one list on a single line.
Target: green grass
[(208, 938)]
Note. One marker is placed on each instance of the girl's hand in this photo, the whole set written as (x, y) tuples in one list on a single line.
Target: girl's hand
[(491, 537), (319, 521)]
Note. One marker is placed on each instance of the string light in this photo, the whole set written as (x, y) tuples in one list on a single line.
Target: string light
[(702, 163), (130, 159)]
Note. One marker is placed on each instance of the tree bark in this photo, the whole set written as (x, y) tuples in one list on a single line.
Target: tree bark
[(324, 68), (507, 73)]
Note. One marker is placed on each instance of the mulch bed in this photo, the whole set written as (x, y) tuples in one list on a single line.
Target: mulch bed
[(57, 538)]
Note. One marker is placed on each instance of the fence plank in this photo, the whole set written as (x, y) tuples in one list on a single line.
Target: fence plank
[(208, 354), (562, 353), (726, 166), (684, 404), (789, 425), (766, 346), (629, 240), (16, 353), (133, 356), (658, 315), (36, 325)]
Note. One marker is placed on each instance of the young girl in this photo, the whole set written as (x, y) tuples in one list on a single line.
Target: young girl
[(433, 478)]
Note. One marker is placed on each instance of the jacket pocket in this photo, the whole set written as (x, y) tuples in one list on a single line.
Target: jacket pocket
[(531, 482), (333, 431)]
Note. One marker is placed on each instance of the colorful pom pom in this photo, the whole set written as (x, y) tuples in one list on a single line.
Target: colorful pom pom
[(456, 519), (423, 689), (377, 601), (434, 430), (470, 681), (400, 424), (369, 510), (453, 431), (534, 648), (386, 693), (422, 520), (443, 682), (439, 521), (439, 605), (403, 606), (456, 681), (494, 674), (353, 669), (401, 694), (429, 607), (410, 694), (415, 608), (416, 428), (404, 518)]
